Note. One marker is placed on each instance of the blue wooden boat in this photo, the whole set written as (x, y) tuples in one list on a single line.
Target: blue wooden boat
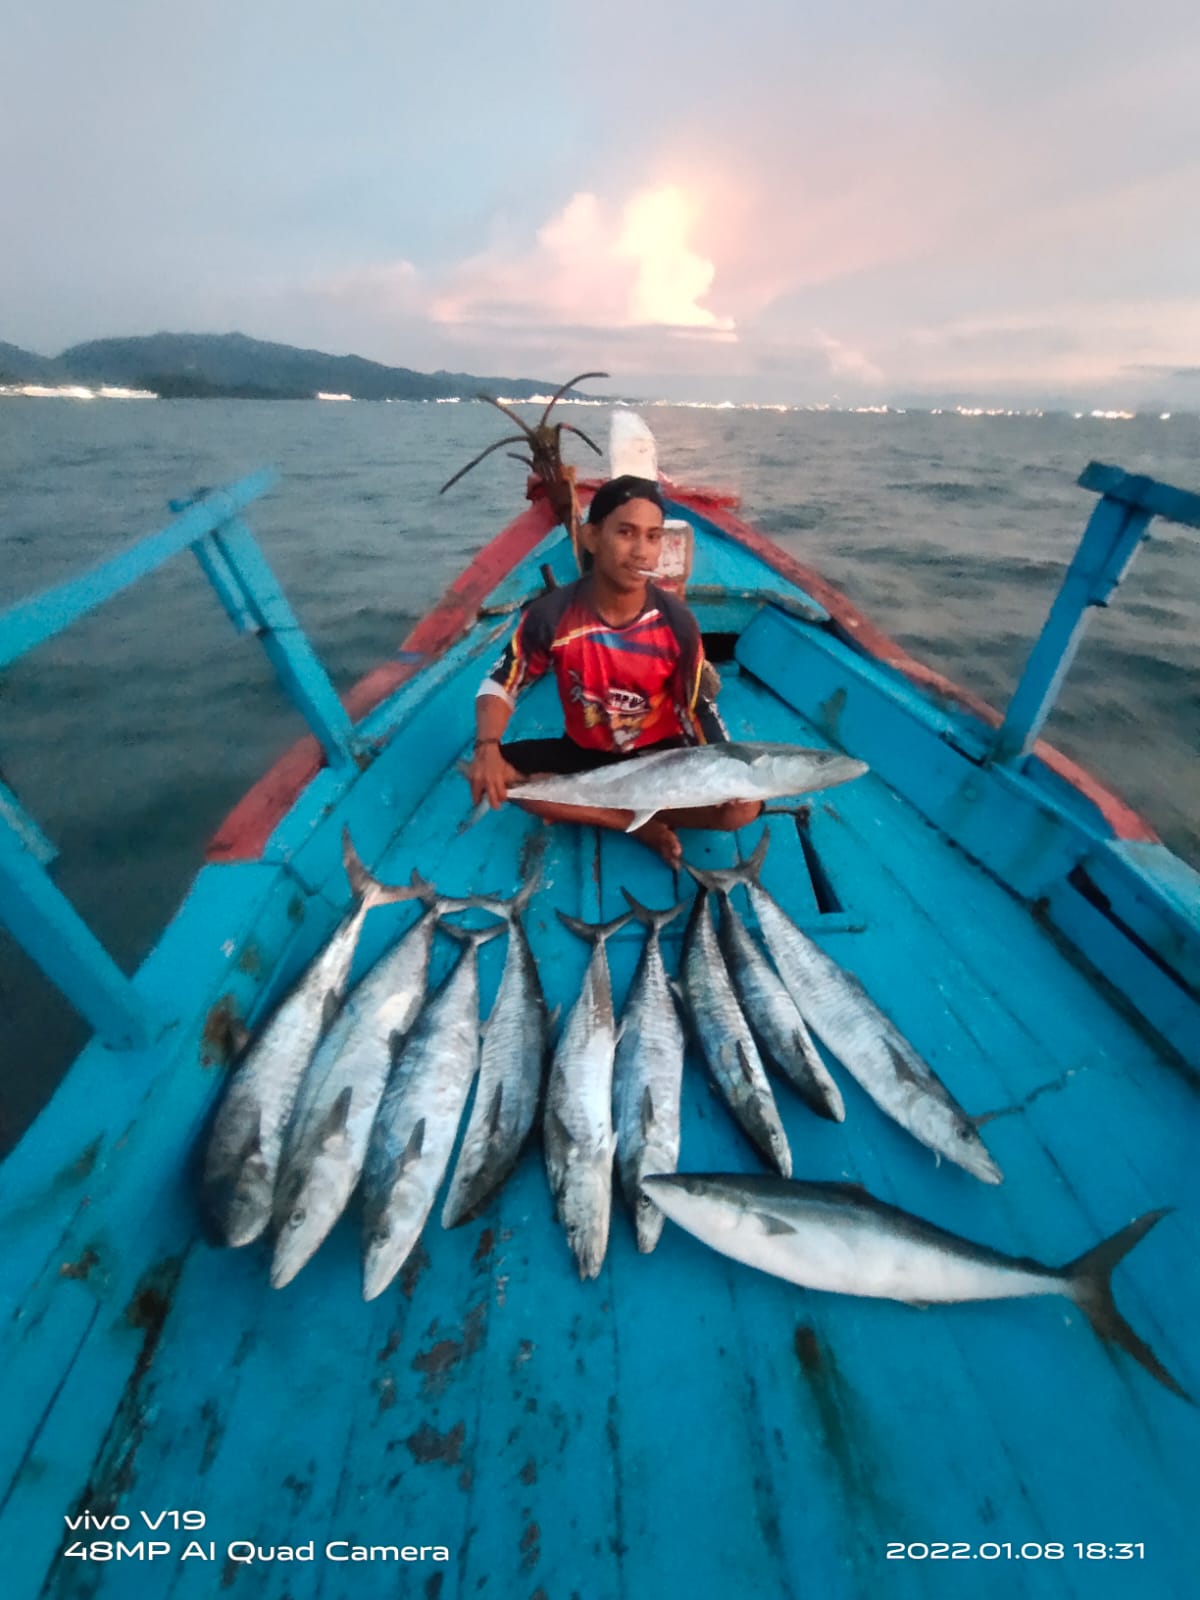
[(492, 1426)]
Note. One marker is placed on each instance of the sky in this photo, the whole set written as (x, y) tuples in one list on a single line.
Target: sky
[(765, 200)]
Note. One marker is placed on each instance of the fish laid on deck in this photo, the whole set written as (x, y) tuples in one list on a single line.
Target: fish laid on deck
[(578, 1129), (848, 1022), (417, 1121), (326, 1140), (727, 1042), (512, 1066), (246, 1142), (647, 1074), (773, 1015), (837, 1237), (701, 775)]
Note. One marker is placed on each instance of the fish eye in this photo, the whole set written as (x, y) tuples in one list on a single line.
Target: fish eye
[(380, 1235), (297, 1217)]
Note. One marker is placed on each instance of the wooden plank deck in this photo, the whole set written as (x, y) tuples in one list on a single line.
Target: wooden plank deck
[(682, 1423)]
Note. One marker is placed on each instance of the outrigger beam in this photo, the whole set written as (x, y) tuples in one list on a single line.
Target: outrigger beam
[(1110, 541), (36, 911)]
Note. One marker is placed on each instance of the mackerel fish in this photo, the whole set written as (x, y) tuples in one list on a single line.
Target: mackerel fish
[(246, 1143), (417, 1121), (647, 1075), (700, 775), (326, 1141), (578, 1122), (837, 1237), (512, 1067), (848, 1022), (727, 1042), (773, 1017)]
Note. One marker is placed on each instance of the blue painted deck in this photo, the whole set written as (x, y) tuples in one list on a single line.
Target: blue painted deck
[(681, 1425)]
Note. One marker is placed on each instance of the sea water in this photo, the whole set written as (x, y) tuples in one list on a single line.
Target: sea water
[(131, 736)]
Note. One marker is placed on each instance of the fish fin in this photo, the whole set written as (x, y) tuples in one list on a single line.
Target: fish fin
[(744, 1063), (422, 889), (253, 1146), (494, 1112), (412, 1150), (723, 879), (472, 936), (771, 1223), (647, 1109), (556, 1126), (552, 1019), (476, 813), (640, 819), (395, 1042), (1089, 1284), (363, 885), (850, 1191), (334, 1125), (330, 1007)]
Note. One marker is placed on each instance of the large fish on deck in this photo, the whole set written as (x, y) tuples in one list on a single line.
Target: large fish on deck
[(701, 775), (647, 1073), (512, 1066), (246, 1142), (578, 1125), (326, 1140), (837, 1237), (848, 1022), (417, 1121), (726, 1040), (773, 1015)]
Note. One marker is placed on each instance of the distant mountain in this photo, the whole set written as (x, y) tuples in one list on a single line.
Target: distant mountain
[(185, 364), (22, 366)]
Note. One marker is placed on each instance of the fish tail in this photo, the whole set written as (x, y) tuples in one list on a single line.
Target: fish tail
[(723, 879), (367, 888), (594, 931), (472, 936), (657, 920), (1090, 1286)]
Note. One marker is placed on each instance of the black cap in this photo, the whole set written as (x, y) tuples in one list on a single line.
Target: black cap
[(617, 491)]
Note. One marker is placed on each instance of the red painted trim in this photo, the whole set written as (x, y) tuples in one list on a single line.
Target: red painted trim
[(1121, 818), (245, 831)]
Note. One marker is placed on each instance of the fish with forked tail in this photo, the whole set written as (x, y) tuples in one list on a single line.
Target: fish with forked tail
[(245, 1145), (418, 1117), (647, 1075), (848, 1022), (727, 1042), (578, 1127), (512, 1065), (326, 1140), (699, 775), (837, 1237)]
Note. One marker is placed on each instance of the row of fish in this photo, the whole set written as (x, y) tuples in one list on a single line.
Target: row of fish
[(375, 1088)]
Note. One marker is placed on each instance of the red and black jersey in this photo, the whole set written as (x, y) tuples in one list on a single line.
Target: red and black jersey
[(621, 687)]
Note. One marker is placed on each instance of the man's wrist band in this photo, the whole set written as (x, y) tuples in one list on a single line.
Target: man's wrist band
[(479, 743)]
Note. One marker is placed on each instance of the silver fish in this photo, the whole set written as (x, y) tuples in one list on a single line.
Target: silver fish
[(836, 1236), (417, 1121), (773, 1017), (848, 1022), (727, 1042), (326, 1140), (647, 1074), (512, 1066), (246, 1142), (701, 775), (578, 1123)]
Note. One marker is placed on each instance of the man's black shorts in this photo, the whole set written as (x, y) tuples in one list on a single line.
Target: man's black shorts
[(562, 755)]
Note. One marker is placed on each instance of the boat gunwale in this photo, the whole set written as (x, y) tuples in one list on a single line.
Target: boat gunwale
[(244, 833)]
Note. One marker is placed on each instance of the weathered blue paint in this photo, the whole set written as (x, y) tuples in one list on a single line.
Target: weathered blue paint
[(681, 1425)]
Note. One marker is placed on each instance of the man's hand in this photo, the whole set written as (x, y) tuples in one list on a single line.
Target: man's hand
[(490, 774)]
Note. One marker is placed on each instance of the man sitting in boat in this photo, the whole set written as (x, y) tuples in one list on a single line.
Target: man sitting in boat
[(627, 657)]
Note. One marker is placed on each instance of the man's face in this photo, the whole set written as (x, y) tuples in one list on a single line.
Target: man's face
[(625, 546)]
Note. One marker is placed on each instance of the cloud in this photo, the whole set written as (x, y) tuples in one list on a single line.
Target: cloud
[(593, 265)]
